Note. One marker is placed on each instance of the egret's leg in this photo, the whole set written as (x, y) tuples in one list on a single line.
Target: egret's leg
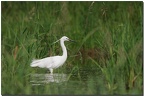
[(51, 71)]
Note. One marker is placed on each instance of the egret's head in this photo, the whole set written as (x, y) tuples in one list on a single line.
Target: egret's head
[(64, 38)]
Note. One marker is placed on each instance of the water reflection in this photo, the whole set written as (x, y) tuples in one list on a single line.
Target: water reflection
[(40, 79)]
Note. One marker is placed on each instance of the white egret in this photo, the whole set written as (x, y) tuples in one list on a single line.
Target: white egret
[(53, 62)]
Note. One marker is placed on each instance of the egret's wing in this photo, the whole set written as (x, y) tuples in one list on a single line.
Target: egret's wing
[(56, 60), (49, 62), (36, 63)]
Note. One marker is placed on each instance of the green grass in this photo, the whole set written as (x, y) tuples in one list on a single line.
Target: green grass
[(107, 58)]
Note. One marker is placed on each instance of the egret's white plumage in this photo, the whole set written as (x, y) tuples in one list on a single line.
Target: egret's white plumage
[(54, 61)]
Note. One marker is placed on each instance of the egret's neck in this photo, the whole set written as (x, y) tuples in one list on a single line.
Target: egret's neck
[(63, 48)]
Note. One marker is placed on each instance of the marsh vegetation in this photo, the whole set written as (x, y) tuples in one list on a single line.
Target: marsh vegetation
[(107, 58)]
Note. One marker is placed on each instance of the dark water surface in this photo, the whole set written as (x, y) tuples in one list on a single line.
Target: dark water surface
[(82, 82)]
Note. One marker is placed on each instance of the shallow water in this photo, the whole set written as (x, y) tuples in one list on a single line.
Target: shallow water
[(41, 79), (78, 81), (58, 83)]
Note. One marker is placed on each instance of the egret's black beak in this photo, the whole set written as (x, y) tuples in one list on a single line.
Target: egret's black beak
[(72, 40)]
